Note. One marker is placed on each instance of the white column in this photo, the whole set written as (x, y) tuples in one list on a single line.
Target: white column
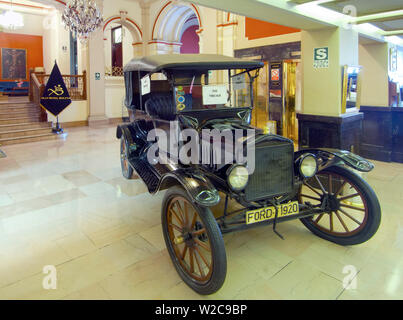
[(145, 21), (374, 59), (322, 87), (96, 64)]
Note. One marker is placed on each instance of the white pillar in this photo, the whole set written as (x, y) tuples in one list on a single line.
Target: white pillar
[(96, 64), (374, 59), (322, 87), (145, 21)]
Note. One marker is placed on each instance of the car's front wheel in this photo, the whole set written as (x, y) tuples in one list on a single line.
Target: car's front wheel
[(194, 242), (351, 214), (127, 170)]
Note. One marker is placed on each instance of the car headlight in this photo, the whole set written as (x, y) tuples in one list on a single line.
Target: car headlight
[(238, 177), (308, 166)]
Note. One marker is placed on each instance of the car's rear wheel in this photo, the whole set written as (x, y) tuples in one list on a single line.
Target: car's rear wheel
[(352, 212), (127, 170), (194, 242)]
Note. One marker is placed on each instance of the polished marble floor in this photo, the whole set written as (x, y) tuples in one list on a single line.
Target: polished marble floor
[(64, 203)]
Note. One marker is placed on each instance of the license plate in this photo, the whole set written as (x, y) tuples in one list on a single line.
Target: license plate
[(269, 213)]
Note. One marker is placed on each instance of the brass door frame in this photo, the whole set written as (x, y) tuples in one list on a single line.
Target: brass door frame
[(257, 121), (290, 129)]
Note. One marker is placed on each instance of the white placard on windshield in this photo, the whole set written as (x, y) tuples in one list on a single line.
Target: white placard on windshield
[(145, 85), (215, 94), (239, 82)]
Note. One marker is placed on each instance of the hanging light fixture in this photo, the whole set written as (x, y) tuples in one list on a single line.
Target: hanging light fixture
[(11, 20), (82, 17)]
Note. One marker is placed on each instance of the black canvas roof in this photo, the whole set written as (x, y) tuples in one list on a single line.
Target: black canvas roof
[(160, 62)]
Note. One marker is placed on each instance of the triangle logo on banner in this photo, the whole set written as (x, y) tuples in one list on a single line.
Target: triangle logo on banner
[(56, 97)]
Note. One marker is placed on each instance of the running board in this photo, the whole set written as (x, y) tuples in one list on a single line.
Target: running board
[(146, 172)]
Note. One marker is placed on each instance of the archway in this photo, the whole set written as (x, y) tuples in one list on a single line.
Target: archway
[(122, 38), (177, 24)]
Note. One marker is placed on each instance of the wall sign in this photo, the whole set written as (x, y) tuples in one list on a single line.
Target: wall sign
[(97, 76), (215, 94), (239, 82), (276, 80), (275, 74), (321, 58), (145, 85)]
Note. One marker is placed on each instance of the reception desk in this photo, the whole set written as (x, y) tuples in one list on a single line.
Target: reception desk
[(382, 137)]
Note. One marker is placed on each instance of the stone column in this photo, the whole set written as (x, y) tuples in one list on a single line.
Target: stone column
[(145, 21), (374, 59), (322, 123), (322, 87), (96, 65), (138, 49)]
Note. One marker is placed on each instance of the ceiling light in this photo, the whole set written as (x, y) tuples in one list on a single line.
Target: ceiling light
[(11, 20)]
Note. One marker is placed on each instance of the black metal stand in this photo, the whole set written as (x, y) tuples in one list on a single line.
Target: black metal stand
[(58, 129)]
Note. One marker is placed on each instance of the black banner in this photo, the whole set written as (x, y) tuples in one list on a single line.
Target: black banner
[(192, 310), (56, 97)]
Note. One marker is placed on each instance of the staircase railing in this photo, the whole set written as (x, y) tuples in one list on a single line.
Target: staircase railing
[(76, 84), (36, 89)]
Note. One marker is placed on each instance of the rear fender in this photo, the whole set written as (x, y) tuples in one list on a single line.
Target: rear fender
[(198, 187), (332, 157)]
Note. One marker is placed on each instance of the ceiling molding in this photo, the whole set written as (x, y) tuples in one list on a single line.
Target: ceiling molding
[(393, 33), (396, 15)]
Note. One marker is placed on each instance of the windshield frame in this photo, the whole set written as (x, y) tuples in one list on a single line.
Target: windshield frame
[(177, 79)]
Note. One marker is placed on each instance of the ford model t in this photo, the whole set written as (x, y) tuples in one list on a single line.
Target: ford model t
[(190, 134)]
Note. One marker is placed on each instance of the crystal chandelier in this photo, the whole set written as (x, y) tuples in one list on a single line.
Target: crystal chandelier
[(82, 17), (11, 19)]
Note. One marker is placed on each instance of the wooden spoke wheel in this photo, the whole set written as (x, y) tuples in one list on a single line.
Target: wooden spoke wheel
[(127, 170), (351, 211), (194, 242)]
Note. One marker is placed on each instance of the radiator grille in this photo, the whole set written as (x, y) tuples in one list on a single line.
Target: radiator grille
[(274, 171)]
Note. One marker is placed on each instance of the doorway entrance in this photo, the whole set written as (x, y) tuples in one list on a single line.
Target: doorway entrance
[(117, 51), (278, 87), (276, 110)]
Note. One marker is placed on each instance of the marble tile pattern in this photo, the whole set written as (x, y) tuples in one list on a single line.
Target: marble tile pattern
[(65, 203)]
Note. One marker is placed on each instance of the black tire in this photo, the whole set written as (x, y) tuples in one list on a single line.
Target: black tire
[(370, 208), (127, 170), (212, 238)]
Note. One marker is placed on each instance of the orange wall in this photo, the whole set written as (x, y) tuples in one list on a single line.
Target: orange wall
[(257, 29), (33, 45)]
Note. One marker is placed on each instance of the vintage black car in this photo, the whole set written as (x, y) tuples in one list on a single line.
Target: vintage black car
[(202, 93)]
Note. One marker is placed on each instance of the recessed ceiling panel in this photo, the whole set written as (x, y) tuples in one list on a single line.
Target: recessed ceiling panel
[(365, 7), (390, 25)]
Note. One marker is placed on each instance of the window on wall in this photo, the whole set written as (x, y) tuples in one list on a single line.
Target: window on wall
[(117, 51)]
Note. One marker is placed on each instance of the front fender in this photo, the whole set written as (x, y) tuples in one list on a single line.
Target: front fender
[(330, 157), (124, 130), (198, 187)]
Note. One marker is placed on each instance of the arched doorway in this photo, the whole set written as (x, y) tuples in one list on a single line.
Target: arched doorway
[(175, 28), (189, 37), (122, 36)]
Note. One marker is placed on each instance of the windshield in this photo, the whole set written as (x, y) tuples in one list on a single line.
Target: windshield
[(213, 90)]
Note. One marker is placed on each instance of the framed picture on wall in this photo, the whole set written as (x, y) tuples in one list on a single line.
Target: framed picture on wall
[(13, 64)]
